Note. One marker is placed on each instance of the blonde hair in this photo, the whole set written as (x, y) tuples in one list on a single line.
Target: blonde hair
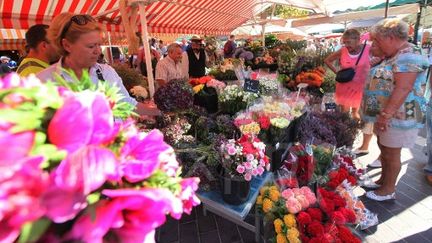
[(74, 31), (351, 34), (391, 27)]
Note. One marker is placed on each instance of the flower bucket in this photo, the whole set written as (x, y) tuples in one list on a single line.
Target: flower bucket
[(208, 99), (234, 191)]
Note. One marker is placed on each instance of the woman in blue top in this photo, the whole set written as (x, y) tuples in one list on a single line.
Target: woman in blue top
[(394, 101)]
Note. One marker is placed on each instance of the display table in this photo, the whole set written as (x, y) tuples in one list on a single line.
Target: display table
[(212, 201)]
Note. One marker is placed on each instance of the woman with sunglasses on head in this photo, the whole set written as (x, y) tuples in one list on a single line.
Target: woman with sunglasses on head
[(77, 38)]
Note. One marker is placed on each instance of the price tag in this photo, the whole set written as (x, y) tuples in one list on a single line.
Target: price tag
[(251, 85)]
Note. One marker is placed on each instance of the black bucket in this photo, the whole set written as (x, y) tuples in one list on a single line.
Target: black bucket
[(234, 191)]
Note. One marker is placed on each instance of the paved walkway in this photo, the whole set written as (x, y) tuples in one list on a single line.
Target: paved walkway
[(407, 219)]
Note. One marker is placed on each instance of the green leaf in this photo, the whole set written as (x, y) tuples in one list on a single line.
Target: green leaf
[(32, 231), (93, 198)]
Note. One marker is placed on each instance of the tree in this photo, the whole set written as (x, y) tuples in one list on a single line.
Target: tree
[(286, 12)]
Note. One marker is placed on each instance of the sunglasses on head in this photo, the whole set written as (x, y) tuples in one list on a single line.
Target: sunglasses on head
[(81, 19)]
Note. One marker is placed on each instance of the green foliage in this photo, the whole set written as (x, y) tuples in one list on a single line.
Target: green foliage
[(32, 231), (329, 83), (227, 75), (271, 40), (287, 12), (130, 77), (121, 109), (160, 179)]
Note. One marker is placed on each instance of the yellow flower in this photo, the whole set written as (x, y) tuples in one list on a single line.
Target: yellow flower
[(267, 205), (274, 195), (293, 235), (289, 220), (251, 128), (259, 200), (273, 188), (278, 225), (198, 88), (280, 238), (263, 190)]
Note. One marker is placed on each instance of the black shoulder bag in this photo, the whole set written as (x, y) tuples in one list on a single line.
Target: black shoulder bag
[(347, 74)]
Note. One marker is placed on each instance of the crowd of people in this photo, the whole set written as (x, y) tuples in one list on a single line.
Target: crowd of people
[(385, 92)]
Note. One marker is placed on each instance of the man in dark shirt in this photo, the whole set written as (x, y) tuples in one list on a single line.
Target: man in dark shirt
[(195, 58)]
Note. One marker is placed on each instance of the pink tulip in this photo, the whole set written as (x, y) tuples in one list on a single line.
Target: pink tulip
[(141, 155), (86, 169), (85, 118), (14, 148), (132, 215), (20, 199)]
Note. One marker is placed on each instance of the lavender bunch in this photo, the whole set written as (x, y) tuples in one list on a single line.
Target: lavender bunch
[(177, 95), (313, 129)]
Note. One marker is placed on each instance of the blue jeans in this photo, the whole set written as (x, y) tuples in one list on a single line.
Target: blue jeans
[(428, 167)]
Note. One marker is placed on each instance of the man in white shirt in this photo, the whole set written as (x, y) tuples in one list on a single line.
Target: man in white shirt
[(170, 67)]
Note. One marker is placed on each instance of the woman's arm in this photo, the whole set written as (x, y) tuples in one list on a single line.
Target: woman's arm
[(404, 83), (330, 59)]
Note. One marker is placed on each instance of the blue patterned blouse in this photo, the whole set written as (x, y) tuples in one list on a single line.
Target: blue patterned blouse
[(381, 83)]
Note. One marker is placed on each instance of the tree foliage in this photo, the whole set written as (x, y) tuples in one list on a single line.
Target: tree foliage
[(286, 12)]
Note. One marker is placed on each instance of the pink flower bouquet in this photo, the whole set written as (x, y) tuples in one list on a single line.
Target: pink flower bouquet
[(65, 162), (244, 157)]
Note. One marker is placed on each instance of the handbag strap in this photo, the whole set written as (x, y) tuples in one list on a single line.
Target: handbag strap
[(361, 53)]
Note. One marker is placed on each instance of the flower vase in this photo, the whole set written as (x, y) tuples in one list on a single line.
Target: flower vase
[(234, 190)]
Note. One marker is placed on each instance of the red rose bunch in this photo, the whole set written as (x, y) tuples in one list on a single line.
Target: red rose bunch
[(335, 207), (345, 160), (312, 228), (338, 176), (304, 164)]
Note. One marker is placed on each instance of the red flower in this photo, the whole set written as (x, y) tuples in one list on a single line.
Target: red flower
[(332, 184), (348, 214), (333, 174), (339, 201), (204, 80), (352, 180), (315, 213), (264, 122), (315, 228), (327, 205), (346, 235), (304, 219), (304, 238), (338, 218)]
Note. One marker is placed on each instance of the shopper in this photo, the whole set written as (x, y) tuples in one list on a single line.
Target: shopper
[(4, 67), (195, 59), (77, 38), (428, 168), (349, 95), (394, 100), (230, 47), (40, 51), (170, 67)]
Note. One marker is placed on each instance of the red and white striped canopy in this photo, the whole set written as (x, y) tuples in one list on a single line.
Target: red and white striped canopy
[(11, 39), (164, 16)]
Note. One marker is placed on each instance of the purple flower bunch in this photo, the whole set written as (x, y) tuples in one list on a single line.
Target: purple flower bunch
[(64, 160), (176, 95)]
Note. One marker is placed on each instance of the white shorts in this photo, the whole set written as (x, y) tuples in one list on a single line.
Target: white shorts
[(397, 138)]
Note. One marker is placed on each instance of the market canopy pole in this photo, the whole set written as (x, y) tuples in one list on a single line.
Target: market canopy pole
[(386, 9)]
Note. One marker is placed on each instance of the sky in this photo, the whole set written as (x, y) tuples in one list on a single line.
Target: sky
[(334, 5)]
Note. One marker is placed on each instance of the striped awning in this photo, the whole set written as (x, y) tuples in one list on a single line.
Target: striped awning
[(11, 39), (216, 17)]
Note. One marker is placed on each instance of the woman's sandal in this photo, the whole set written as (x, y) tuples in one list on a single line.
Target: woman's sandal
[(372, 195)]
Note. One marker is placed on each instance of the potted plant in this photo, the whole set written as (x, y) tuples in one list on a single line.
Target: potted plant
[(242, 159)]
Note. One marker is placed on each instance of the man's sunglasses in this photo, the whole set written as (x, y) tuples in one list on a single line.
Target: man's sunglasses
[(81, 19)]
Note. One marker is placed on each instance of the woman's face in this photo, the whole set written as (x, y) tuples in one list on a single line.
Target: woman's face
[(351, 44), (383, 44), (375, 51), (85, 50)]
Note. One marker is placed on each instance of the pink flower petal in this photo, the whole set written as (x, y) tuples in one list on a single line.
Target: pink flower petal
[(63, 204), (86, 169)]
